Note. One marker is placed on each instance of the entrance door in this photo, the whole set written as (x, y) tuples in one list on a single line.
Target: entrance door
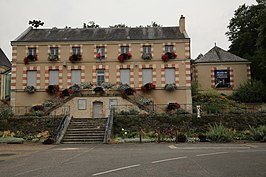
[(97, 109)]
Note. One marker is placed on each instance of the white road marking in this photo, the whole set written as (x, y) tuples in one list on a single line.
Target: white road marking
[(66, 149), (214, 153), (172, 147), (252, 151), (165, 160), (211, 148), (117, 169), (67, 160), (37, 169)]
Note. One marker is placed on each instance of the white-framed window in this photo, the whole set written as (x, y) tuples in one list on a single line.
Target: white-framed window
[(169, 48), (75, 76), (170, 75), (82, 104), (31, 78), (125, 76), (53, 77), (146, 49), (100, 77), (76, 50), (32, 51), (222, 78), (146, 76), (100, 52), (124, 49), (54, 51)]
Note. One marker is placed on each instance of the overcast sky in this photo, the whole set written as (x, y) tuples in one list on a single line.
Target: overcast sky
[(206, 20)]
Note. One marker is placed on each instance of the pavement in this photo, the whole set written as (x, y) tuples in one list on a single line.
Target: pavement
[(134, 160)]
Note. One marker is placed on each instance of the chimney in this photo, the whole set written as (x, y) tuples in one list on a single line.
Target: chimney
[(182, 24)]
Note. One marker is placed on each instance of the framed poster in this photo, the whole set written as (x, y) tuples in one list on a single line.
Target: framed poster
[(82, 104)]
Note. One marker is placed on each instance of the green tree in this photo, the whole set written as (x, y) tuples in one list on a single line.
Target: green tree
[(247, 33), (91, 24), (118, 26)]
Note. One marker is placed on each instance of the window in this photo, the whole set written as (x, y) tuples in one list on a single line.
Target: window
[(146, 76), (100, 52), (76, 50), (75, 76), (53, 77), (146, 49), (31, 78), (222, 78), (32, 51), (169, 48), (54, 51), (100, 76), (124, 49), (169, 75), (125, 76)]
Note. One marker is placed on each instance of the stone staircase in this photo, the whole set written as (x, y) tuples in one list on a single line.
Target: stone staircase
[(85, 131)]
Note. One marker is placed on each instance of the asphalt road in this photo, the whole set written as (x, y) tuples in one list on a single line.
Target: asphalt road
[(134, 160)]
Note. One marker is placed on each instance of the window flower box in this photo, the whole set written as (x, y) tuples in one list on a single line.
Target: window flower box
[(53, 57), (75, 88), (170, 87), (173, 106), (146, 56), (52, 89), (30, 89), (126, 90), (66, 92), (30, 58), (148, 87), (124, 56), (86, 85), (107, 85), (75, 57), (168, 55)]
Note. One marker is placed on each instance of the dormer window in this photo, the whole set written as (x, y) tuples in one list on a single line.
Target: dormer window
[(124, 49), (75, 50), (32, 51), (100, 52), (169, 48)]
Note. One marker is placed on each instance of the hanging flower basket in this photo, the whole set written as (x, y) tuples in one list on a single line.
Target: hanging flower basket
[(30, 89), (146, 56), (173, 106), (170, 87), (168, 55), (148, 87), (30, 58), (98, 90), (75, 57), (52, 89), (53, 57), (124, 56)]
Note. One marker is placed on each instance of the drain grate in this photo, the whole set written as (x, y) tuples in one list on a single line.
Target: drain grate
[(5, 155)]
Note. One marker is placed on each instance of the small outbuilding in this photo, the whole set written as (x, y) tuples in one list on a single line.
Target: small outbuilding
[(220, 70)]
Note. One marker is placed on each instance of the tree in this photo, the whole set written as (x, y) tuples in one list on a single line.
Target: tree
[(118, 26), (91, 24), (247, 33), (36, 23)]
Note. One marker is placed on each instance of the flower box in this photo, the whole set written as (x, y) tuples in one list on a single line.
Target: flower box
[(146, 56), (53, 57), (30, 58), (148, 87), (107, 85), (126, 90), (124, 56), (30, 89), (75, 57), (86, 85), (168, 55), (170, 87), (75, 88), (52, 89)]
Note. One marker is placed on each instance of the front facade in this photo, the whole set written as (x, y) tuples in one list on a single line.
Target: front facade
[(220, 70), (132, 56)]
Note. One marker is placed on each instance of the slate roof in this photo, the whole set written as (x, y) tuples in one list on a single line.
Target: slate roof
[(217, 55), (99, 34), (4, 61)]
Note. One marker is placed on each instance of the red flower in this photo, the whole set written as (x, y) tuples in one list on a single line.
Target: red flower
[(165, 58)]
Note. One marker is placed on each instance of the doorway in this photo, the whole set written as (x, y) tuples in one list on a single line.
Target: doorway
[(97, 109)]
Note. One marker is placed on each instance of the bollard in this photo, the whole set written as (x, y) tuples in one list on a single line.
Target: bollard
[(140, 136), (176, 135), (159, 135)]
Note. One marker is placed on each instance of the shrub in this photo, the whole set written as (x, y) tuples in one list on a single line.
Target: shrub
[(182, 138), (194, 88), (258, 134), (6, 112), (107, 85), (30, 89), (170, 87), (251, 92), (218, 133), (11, 140)]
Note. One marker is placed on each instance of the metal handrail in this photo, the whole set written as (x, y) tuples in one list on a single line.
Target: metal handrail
[(108, 127), (64, 123)]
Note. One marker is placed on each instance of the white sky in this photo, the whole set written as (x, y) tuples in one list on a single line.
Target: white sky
[(206, 20)]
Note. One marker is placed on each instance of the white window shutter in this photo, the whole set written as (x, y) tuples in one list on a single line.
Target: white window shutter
[(169, 75), (146, 76), (75, 76), (31, 78), (125, 76)]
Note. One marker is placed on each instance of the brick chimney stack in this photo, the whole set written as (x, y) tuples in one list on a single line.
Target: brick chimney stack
[(182, 24)]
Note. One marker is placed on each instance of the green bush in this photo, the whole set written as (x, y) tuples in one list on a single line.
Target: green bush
[(258, 134), (220, 134), (250, 92), (6, 112)]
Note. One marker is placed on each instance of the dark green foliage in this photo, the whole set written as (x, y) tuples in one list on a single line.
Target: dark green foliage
[(6, 112), (220, 134), (91, 24), (247, 32), (258, 134), (251, 92), (182, 138)]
